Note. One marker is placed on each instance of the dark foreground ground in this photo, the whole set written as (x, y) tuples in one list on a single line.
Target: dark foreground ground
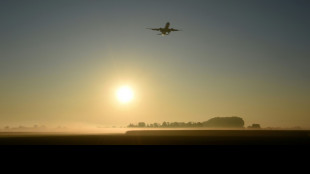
[(166, 137), (260, 149), (268, 146)]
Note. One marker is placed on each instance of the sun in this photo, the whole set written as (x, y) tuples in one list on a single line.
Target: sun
[(124, 94)]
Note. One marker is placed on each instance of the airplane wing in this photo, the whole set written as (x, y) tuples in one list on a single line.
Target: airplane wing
[(172, 29), (156, 29)]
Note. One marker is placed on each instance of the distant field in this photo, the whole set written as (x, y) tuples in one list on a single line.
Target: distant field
[(162, 137)]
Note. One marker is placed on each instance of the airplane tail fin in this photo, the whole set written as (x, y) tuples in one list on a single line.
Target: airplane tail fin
[(167, 25)]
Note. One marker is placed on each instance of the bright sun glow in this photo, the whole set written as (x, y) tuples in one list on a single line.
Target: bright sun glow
[(124, 94)]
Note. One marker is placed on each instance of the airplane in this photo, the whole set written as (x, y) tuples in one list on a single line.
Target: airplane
[(164, 31)]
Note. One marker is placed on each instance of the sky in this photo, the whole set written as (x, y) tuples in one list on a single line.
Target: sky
[(61, 61)]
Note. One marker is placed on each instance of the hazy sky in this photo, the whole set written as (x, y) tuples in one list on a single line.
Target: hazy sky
[(62, 60)]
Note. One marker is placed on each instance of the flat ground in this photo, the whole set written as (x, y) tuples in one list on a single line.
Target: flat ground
[(163, 137)]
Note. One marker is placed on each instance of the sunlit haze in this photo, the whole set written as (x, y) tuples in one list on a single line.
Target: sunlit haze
[(80, 63)]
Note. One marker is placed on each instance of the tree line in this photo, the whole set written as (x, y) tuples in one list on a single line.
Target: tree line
[(167, 124), (225, 122)]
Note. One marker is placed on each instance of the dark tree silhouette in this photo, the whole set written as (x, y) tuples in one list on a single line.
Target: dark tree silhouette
[(131, 125), (225, 122), (141, 124), (254, 126), (164, 124), (156, 125), (222, 122)]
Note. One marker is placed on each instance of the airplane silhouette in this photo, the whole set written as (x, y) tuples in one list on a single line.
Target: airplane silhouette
[(164, 31)]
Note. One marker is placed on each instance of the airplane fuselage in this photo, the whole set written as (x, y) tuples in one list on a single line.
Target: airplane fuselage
[(166, 30)]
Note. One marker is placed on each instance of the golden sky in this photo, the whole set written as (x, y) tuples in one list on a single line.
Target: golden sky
[(62, 62)]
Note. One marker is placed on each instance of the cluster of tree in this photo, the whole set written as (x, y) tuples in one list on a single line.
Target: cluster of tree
[(25, 127), (226, 122), (254, 126), (167, 124), (34, 128), (223, 122)]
